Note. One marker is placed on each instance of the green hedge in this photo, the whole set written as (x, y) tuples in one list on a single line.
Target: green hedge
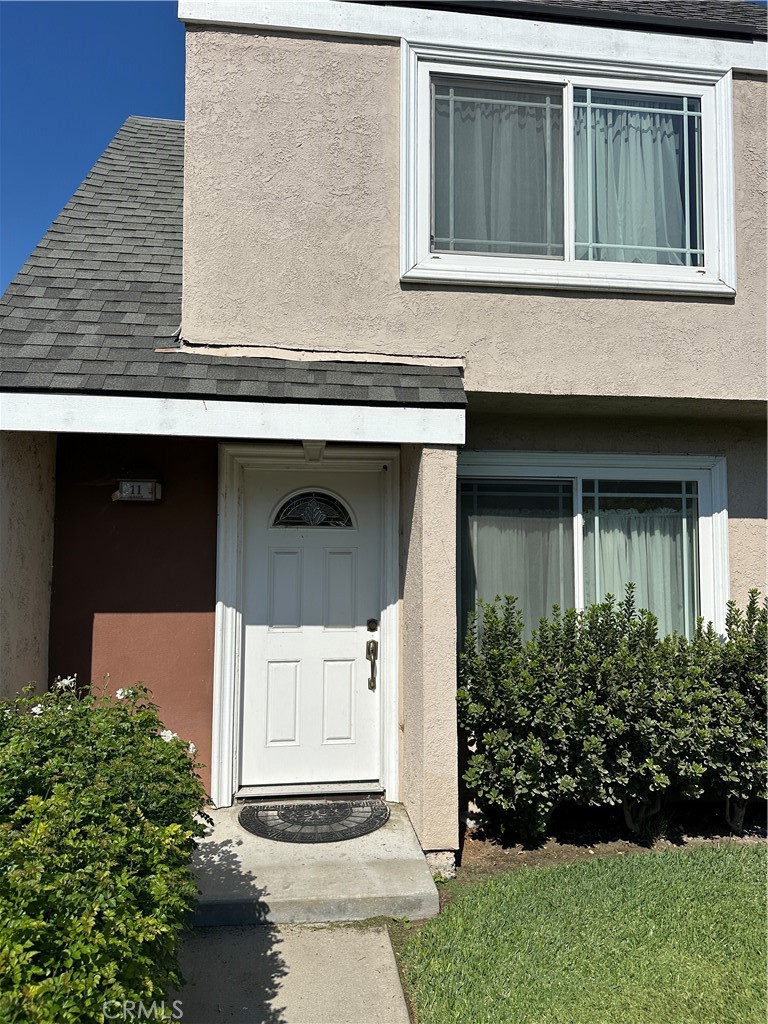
[(597, 709), (99, 812)]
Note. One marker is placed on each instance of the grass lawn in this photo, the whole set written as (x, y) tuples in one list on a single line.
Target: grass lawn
[(665, 938)]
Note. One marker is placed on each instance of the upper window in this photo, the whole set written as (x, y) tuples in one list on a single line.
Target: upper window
[(497, 169), (561, 180), (637, 178)]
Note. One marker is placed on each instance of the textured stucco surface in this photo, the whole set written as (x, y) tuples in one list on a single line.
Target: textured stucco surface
[(744, 446), (27, 495), (291, 237), (428, 667)]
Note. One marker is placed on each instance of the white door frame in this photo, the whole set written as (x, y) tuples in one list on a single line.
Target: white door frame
[(234, 459)]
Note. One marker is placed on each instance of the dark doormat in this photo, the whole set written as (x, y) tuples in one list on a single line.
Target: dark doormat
[(330, 822)]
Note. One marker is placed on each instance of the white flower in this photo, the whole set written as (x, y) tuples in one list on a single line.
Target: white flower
[(192, 749), (167, 735), (69, 707), (37, 709), (120, 693), (68, 683)]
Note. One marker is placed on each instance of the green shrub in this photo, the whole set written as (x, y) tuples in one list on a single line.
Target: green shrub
[(667, 714), (738, 759), (515, 716), (597, 709), (98, 818)]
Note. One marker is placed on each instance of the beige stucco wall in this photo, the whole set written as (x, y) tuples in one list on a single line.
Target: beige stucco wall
[(743, 444), (27, 494), (428, 743), (291, 238)]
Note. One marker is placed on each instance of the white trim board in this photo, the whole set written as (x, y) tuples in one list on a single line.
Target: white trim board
[(197, 417), (450, 28), (234, 459)]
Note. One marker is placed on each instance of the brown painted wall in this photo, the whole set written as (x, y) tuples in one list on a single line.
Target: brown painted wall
[(134, 586)]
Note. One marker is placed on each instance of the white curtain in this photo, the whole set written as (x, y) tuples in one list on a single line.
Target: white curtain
[(507, 183), (637, 187), (649, 550), (528, 557)]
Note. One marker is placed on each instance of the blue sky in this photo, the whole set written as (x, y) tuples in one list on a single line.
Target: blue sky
[(70, 74)]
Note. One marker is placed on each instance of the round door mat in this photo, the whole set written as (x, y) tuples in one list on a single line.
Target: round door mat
[(330, 822)]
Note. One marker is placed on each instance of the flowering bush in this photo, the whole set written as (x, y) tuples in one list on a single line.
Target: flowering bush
[(99, 813)]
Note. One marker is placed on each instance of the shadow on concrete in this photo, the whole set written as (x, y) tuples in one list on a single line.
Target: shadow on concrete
[(230, 890), (232, 973)]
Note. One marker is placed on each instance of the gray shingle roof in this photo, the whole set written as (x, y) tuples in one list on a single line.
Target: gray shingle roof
[(721, 16), (102, 291), (709, 17)]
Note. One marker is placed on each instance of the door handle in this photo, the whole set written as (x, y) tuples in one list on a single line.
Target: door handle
[(371, 654)]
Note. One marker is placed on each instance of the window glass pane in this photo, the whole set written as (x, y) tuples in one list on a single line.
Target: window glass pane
[(517, 539), (646, 538), (313, 508), (497, 161), (637, 168)]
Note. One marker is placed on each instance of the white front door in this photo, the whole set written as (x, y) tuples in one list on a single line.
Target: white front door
[(312, 562)]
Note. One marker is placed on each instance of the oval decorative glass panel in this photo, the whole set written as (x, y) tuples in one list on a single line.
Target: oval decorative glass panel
[(312, 508)]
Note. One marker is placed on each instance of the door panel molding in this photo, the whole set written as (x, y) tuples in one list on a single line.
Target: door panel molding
[(234, 461)]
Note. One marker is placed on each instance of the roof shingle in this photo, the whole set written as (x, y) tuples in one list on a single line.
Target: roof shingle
[(102, 292)]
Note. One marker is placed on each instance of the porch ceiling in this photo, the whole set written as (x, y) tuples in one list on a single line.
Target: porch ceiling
[(97, 306)]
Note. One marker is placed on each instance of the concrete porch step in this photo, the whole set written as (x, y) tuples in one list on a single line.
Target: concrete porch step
[(244, 879)]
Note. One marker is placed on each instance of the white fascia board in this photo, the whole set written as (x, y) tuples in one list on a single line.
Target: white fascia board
[(186, 417), (482, 32)]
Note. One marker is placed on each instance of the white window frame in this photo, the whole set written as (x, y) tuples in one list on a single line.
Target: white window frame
[(708, 472), (712, 87)]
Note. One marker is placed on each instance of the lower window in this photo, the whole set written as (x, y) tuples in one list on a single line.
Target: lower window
[(550, 540), (644, 532), (517, 539)]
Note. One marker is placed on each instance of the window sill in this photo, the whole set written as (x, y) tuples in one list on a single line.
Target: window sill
[(610, 277)]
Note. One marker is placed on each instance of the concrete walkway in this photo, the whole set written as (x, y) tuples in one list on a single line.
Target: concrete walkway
[(290, 974), (247, 880)]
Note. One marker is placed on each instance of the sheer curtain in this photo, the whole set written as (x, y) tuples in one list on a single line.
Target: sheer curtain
[(649, 550), (518, 541), (498, 169), (630, 173)]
